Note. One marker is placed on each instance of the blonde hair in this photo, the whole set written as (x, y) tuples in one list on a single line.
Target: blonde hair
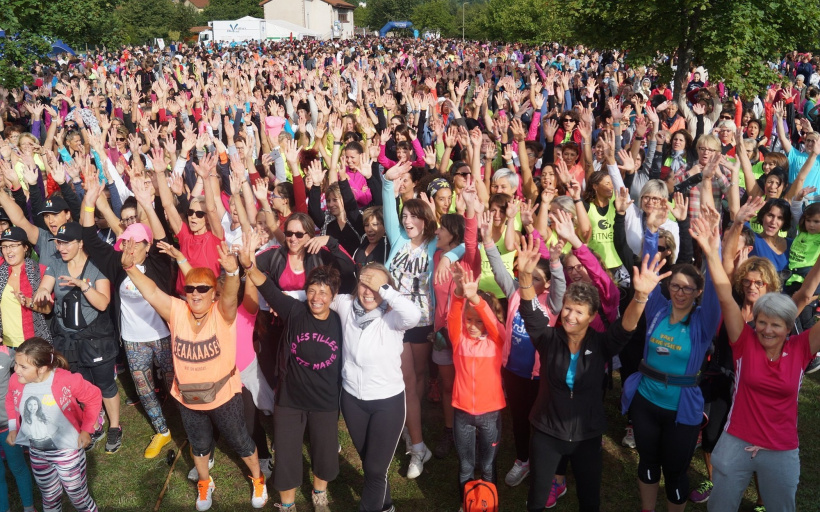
[(709, 141)]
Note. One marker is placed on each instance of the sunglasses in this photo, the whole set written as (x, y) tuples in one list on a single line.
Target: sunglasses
[(726, 118), (463, 174), (297, 234), (661, 248), (202, 288), (567, 120), (120, 139), (199, 213)]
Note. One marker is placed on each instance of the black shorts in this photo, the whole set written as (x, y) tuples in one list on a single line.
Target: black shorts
[(288, 436), (418, 335), (103, 376)]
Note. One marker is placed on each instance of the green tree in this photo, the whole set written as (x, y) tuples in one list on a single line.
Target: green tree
[(435, 15), (23, 45), (143, 20), (734, 40), (529, 21), (361, 16), (80, 22), (382, 11), (233, 9)]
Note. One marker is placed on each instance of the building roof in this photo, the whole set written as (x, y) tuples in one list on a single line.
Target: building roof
[(199, 4), (197, 30), (341, 4)]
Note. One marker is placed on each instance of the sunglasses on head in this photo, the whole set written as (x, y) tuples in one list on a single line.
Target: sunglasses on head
[(202, 288), (297, 234), (199, 213)]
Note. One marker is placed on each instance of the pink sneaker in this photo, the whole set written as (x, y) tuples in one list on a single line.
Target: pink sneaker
[(556, 492)]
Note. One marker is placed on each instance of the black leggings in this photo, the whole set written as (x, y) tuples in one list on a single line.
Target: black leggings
[(662, 442), (521, 395), (718, 396), (253, 425), (375, 428), (545, 453), (229, 419)]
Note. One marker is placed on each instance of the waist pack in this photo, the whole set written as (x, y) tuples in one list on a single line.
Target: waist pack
[(684, 381), (92, 346), (480, 496), (202, 393)]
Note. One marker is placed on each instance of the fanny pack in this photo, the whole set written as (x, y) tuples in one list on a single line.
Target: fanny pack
[(202, 393), (683, 381)]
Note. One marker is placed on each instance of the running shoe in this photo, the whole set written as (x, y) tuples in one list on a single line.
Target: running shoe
[(193, 475), (814, 365), (260, 492), (556, 492), (158, 441), (320, 502), (445, 445), (205, 494), (417, 460), (113, 440), (518, 473), (95, 438), (702, 493), (629, 438)]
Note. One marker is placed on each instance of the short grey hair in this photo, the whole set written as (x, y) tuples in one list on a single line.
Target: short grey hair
[(776, 305), (655, 188), (510, 176), (726, 123)]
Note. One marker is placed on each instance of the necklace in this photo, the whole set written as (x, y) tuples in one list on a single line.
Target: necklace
[(199, 320)]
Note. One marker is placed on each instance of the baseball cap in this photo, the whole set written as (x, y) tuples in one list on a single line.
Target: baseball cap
[(137, 232), (55, 204), (68, 232), (14, 234)]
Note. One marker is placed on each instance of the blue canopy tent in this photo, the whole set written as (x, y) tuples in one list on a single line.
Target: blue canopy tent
[(394, 24), (58, 47)]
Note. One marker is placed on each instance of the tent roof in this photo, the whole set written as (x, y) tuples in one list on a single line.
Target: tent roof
[(290, 27)]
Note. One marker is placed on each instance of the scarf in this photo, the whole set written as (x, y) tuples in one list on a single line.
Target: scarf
[(364, 318), (678, 161), (34, 324)]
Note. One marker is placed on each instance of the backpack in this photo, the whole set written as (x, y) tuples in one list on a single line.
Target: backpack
[(480, 496)]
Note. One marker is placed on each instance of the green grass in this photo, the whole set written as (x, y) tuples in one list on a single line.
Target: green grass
[(126, 482)]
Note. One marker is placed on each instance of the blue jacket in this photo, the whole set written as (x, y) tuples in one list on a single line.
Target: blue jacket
[(397, 237), (703, 324)]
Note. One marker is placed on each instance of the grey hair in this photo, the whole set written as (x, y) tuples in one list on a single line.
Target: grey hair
[(655, 188), (776, 305), (511, 177), (726, 123)]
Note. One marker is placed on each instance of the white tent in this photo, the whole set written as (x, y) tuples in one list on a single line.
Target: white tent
[(281, 29)]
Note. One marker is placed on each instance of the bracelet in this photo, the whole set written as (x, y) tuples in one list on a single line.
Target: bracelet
[(89, 209), (183, 260), (641, 301), (249, 268), (638, 138), (576, 201), (616, 124), (232, 274), (338, 143), (129, 267), (525, 287), (87, 288)]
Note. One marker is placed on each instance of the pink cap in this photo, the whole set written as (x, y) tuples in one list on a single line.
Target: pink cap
[(137, 232)]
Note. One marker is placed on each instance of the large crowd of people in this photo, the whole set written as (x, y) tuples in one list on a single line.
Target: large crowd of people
[(312, 229)]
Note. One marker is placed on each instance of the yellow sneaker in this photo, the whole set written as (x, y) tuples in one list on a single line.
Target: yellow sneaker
[(157, 442)]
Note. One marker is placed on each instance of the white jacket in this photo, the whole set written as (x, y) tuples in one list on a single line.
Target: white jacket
[(371, 358)]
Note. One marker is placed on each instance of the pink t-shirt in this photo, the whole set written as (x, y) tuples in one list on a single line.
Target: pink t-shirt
[(764, 412), (290, 281), (200, 250), (245, 353)]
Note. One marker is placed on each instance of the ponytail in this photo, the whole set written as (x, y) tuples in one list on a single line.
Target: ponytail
[(41, 353)]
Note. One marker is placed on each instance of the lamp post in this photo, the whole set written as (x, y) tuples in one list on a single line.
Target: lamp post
[(462, 20)]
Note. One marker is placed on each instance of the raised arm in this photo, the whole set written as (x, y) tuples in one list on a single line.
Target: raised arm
[(165, 194), (779, 115), (158, 299)]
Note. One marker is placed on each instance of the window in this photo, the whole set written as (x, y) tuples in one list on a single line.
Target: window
[(343, 18)]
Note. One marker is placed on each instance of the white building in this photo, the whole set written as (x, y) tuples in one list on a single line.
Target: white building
[(331, 18)]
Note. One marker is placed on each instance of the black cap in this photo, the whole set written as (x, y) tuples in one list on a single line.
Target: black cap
[(4, 216), (14, 234), (54, 204), (68, 232)]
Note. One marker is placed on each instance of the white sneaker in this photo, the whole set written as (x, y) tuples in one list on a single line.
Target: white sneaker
[(408, 442), (193, 475), (518, 473), (260, 492), (205, 494), (629, 438), (417, 460), (266, 466)]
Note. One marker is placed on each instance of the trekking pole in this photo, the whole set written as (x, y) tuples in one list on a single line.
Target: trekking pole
[(168, 478)]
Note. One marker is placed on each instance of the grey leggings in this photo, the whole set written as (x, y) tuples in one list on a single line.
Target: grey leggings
[(778, 473), (465, 426)]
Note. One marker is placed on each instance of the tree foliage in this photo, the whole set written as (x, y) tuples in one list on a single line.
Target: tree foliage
[(233, 9), (529, 21), (436, 15), (734, 39), (382, 11), (24, 44)]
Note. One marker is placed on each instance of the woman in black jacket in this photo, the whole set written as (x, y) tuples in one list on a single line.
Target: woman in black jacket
[(568, 417)]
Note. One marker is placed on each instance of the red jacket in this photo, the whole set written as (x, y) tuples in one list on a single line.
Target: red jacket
[(477, 387)]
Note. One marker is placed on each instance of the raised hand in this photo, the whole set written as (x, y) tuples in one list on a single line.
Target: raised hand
[(561, 223), (645, 279), (397, 170), (749, 210), (681, 208), (528, 255), (706, 235), (315, 244), (227, 258), (623, 201)]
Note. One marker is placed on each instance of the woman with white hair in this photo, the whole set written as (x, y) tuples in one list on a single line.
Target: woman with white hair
[(761, 431)]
